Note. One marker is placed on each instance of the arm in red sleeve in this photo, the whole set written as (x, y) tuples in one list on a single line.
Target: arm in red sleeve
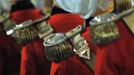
[(116, 58), (28, 66), (33, 59), (104, 64)]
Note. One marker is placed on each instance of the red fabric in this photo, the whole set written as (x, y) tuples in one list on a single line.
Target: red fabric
[(73, 65), (33, 61), (24, 15), (9, 56), (64, 22), (116, 58)]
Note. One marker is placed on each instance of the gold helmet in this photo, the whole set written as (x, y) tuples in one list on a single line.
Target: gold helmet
[(104, 6), (86, 8)]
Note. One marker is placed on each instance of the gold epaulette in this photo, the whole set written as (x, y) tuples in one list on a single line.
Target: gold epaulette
[(23, 33), (6, 21), (4, 17), (122, 5), (57, 48), (104, 29)]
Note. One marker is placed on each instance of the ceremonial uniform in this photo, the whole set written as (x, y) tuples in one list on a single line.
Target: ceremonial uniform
[(116, 56), (9, 55), (9, 50), (62, 22), (113, 33), (33, 60)]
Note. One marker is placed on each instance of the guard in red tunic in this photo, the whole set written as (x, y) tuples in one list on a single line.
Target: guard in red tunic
[(65, 61), (113, 33), (116, 41), (33, 60), (9, 52)]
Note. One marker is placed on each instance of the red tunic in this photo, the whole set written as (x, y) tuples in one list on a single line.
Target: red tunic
[(62, 23), (116, 58), (20, 16), (33, 61), (9, 56)]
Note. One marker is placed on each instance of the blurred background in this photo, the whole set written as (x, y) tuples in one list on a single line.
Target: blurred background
[(43, 5)]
